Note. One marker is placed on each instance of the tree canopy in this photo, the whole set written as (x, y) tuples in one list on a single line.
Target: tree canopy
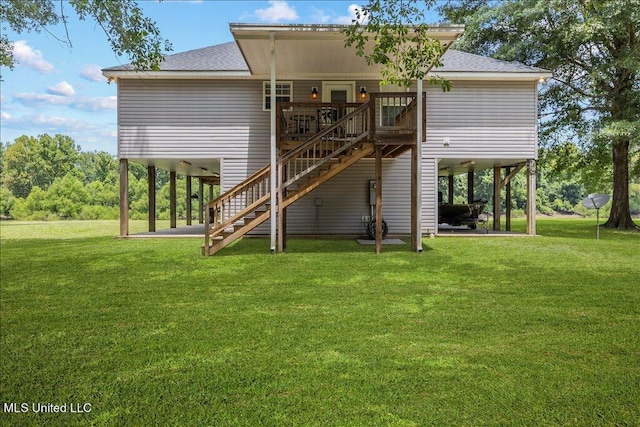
[(401, 44), (593, 49), (128, 31), (591, 46)]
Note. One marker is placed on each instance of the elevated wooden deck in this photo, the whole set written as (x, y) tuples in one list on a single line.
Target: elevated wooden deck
[(392, 122)]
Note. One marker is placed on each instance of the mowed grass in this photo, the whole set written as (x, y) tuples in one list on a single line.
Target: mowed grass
[(474, 331)]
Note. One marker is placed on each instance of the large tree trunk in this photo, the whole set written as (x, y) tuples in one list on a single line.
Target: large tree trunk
[(620, 216)]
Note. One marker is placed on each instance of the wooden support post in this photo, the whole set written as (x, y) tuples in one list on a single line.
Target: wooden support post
[(124, 197), (151, 181), (284, 226), (372, 117), (496, 197), (210, 192), (451, 189), (414, 199), (200, 201), (470, 189), (507, 196), (531, 197), (284, 211), (378, 199), (188, 201), (172, 199)]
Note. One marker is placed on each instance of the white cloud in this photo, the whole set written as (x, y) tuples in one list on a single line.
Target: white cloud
[(28, 57), (91, 104), (38, 99), (92, 72), (107, 103), (63, 89), (351, 10), (45, 123), (5, 116), (321, 16), (277, 11)]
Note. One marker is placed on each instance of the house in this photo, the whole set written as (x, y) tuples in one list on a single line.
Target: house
[(302, 138)]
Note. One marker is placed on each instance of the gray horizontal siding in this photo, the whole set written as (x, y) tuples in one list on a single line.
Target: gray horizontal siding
[(185, 118), (429, 195), (482, 143), (482, 120)]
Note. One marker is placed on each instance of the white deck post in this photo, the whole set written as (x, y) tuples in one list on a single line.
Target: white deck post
[(273, 180), (418, 189), (531, 197)]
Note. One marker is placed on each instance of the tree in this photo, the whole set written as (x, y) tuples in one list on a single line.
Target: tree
[(401, 43), (30, 162), (66, 197), (128, 31), (98, 166), (593, 49)]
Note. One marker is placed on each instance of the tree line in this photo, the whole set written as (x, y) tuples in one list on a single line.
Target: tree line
[(50, 178)]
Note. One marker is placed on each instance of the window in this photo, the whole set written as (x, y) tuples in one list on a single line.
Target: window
[(284, 93), (391, 107)]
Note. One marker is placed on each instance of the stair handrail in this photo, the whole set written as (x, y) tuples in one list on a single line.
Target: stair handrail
[(323, 133), (320, 142), (217, 224)]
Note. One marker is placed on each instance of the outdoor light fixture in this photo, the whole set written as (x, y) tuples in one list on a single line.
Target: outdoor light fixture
[(363, 92), (542, 80), (314, 92), (468, 163), (185, 163)]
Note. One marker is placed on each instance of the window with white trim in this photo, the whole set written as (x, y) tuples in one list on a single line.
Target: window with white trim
[(284, 93)]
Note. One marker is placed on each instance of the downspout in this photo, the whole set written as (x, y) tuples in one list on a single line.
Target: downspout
[(272, 42), (419, 168)]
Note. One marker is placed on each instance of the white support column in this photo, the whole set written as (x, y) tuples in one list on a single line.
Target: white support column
[(274, 198), (531, 197), (419, 168)]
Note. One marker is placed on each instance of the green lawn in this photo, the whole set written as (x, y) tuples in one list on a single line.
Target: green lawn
[(474, 331)]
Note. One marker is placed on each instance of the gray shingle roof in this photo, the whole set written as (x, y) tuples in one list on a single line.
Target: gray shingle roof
[(227, 57), (457, 61), (221, 57)]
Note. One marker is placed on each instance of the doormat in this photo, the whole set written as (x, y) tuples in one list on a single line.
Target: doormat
[(384, 242)]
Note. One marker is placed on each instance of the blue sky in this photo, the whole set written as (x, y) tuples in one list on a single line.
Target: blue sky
[(55, 88)]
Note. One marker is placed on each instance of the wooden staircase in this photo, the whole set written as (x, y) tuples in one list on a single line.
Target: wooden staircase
[(301, 169)]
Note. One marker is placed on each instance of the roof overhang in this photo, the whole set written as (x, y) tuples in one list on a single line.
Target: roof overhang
[(313, 51), (541, 76), (193, 75)]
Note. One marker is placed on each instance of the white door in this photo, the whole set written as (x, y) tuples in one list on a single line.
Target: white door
[(338, 91)]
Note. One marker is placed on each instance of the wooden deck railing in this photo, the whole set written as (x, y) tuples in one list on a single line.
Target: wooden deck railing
[(334, 138), (299, 121), (397, 112)]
